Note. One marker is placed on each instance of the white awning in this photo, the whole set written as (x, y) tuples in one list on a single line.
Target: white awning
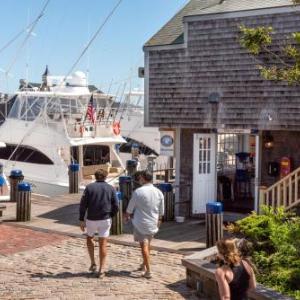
[(97, 141)]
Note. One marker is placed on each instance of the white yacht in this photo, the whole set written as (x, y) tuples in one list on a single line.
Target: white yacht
[(58, 123)]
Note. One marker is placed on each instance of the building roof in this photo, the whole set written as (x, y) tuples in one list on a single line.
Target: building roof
[(172, 32), (240, 5)]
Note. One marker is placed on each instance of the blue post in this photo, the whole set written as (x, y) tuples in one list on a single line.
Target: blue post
[(214, 223), (167, 190), (131, 166), (16, 176), (23, 207), (74, 178), (125, 183), (117, 224)]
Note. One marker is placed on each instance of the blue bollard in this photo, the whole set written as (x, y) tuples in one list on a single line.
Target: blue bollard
[(74, 178), (131, 166), (16, 176), (169, 197), (23, 207), (214, 223), (117, 224), (125, 184)]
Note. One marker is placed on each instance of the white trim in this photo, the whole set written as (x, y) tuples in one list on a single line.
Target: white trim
[(242, 13), (177, 168), (258, 148), (166, 47), (185, 35), (146, 90)]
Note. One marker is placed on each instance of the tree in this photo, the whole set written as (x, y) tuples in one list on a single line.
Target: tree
[(275, 63)]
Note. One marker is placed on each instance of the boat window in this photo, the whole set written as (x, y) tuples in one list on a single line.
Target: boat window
[(95, 155), (24, 154), (27, 108)]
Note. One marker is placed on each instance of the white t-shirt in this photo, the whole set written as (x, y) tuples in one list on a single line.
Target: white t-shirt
[(147, 205)]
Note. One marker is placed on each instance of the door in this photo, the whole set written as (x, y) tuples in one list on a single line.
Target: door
[(204, 173)]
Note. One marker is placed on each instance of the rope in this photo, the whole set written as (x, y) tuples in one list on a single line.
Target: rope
[(16, 37), (93, 38), (34, 23)]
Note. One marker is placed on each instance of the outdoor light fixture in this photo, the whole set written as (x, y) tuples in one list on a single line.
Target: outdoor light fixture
[(268, 140), (270, 119), (214, 98)]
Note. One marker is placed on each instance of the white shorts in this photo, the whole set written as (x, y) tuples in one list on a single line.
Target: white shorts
[(101, 227)]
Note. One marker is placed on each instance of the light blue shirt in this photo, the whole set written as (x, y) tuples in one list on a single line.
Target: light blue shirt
[(147, 205)]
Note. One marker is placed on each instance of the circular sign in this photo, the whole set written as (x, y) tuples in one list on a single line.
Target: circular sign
[(166, 141)]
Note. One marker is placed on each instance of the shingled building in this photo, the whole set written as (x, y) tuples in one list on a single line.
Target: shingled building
[(235, 131)]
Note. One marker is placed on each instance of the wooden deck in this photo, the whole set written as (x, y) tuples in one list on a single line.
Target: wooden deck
[(60, 215)]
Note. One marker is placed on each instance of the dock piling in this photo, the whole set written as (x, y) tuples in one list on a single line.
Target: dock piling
[(23, 205), (214, 223), (16, 176)]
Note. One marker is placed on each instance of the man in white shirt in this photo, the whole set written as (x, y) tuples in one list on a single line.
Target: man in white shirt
[(146, 208)]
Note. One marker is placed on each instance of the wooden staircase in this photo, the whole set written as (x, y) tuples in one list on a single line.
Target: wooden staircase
[(285, 192)]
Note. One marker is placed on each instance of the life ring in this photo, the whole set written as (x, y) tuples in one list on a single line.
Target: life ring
[(116, 128)]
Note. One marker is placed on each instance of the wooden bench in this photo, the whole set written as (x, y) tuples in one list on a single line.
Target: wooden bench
[(2, 208)]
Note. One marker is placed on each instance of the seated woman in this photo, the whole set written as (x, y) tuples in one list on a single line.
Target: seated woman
[(236, 276)]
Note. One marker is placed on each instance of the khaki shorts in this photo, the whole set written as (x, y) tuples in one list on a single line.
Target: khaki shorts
[(140, 237)]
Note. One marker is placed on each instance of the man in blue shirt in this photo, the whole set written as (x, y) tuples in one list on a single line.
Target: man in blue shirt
[(100, 202)]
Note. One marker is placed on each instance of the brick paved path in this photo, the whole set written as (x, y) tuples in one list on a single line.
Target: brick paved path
[(58, 271), (15, 239)]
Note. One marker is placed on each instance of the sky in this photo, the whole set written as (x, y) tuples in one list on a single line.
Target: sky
[(65, 29)]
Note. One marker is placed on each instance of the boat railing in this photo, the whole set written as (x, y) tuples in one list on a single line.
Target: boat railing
[(104, 124), (89, 129)]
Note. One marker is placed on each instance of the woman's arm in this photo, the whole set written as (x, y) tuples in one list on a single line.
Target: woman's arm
[(252, 280), (224, 290)]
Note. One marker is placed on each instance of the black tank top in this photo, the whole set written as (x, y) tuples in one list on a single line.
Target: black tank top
[(240, 283)]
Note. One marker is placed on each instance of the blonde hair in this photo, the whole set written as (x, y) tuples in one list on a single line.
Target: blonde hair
[(227, 247)]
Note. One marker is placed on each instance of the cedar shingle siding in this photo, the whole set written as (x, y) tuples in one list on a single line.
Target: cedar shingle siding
[(180, 80)]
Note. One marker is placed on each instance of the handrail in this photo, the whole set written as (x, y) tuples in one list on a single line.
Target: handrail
[(284, 192), (283, 179)]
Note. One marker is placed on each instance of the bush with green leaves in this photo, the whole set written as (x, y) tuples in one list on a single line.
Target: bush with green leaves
[(275, 236)]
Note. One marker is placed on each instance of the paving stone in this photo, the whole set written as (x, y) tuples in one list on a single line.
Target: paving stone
[(58, 270)]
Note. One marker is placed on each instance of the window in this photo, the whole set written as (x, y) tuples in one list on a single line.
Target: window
[(24, 154), (204, 155), (95, 155), (228, 145)]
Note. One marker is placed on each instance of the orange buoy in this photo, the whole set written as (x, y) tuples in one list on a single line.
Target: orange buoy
[(116, 128)]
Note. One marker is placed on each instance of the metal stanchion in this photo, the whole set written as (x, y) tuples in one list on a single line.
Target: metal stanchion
[(16, 176), (125, 184), (116, 224), (23, 207), (214, 223), (73, 178), (167, 190), (131, 166)]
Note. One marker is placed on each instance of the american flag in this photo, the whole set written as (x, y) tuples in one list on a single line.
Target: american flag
[(91, 111)]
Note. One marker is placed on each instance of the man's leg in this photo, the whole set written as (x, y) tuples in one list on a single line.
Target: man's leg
[(102, 253), (91, 246), (145, 247)]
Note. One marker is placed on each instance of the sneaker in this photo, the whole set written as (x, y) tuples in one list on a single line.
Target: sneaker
[(101, 275), (147, 275), (141, 267), (93, 268)]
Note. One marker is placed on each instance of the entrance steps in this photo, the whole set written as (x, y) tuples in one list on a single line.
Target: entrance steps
[(284, 193)]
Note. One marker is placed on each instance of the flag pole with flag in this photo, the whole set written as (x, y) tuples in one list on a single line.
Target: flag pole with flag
[(91, 111)]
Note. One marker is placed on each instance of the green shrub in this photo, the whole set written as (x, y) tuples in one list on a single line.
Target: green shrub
[(275, 236)]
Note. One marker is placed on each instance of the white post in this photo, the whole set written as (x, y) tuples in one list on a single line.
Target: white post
[(257, 170), (177, 169)]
